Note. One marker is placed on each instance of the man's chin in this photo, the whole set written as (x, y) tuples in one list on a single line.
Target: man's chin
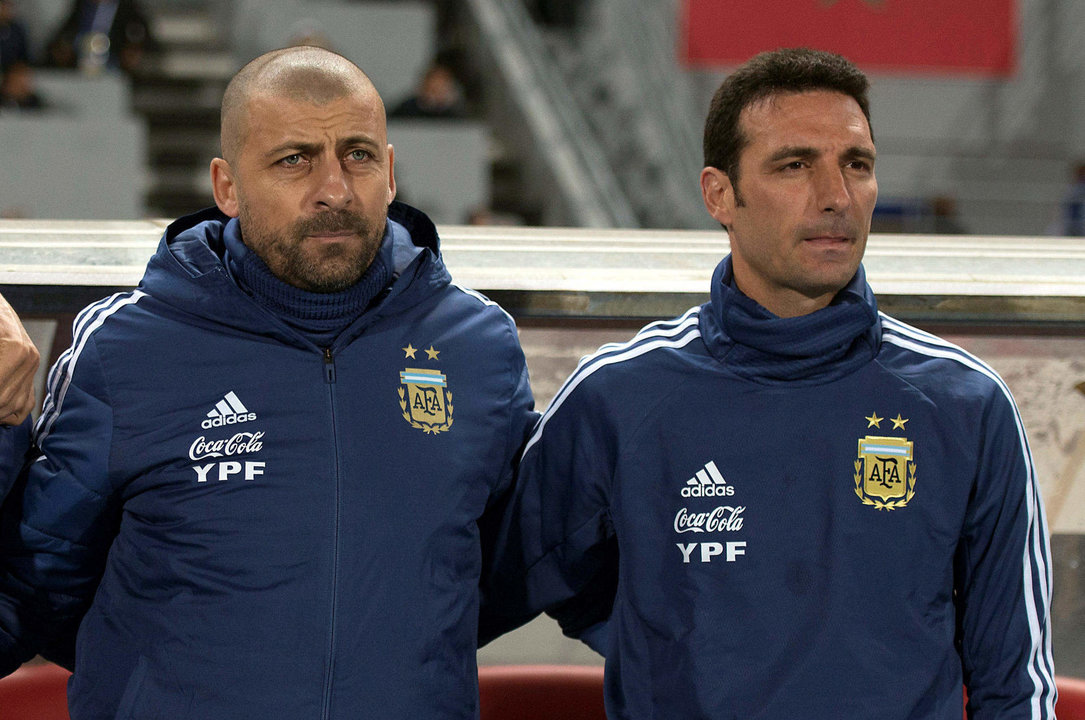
[(325, 283), (333, 274)]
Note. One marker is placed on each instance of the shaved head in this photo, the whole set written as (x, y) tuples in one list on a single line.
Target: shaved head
[(302, 74), (306, 166)]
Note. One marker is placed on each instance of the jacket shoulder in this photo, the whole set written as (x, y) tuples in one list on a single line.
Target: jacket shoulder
[(474, 307), (936, 366), (634, 366)]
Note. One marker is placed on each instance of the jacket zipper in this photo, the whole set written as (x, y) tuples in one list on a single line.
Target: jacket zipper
[(329, 366), (329, 379)]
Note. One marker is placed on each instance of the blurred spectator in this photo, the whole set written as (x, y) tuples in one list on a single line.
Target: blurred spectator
[(944, 216), (17, 89), (99, 34), (438, 95), (1071, 220), (559, 14), (14, 46)]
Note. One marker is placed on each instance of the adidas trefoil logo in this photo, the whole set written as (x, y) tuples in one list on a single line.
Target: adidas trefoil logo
[(227, 411), (708, 482)]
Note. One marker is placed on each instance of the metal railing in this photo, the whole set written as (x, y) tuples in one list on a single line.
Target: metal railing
[(560, 130), (55, 265)]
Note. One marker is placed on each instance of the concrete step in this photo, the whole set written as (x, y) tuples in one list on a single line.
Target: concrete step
[(187, 29)]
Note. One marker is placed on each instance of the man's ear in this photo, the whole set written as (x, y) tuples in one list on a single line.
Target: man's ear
[(391, 174), (224, 187), (718, 194)]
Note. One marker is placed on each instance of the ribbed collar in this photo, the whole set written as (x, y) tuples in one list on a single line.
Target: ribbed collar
[(321, 317), (821, 346)]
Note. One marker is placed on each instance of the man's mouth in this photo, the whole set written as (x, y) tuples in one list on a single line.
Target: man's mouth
[(827, 239), (331, 233)]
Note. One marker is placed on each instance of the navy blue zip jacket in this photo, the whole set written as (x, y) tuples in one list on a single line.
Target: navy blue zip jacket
[(14, 442), (830, 516), (258, 527)]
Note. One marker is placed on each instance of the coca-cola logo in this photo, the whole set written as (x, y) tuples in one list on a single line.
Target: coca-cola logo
[(724, 518), (240, 444)]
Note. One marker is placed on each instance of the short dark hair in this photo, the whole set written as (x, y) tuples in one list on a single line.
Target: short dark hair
[(788, 70)]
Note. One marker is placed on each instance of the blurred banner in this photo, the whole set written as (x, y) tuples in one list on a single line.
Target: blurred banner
[(913, 36)]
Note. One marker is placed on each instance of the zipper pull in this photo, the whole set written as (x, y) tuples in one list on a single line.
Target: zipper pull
[(329, 366)]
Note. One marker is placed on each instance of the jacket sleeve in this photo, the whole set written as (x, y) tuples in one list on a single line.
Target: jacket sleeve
[(14, 443), (521, 418), (556, 550), (1003, 580), (58, 522)]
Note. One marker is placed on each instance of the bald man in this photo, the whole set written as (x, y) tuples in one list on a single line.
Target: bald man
[(266, 476)]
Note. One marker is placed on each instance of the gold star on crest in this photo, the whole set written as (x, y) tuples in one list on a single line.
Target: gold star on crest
[(409, 351), (432, 353), (874, 420), (898, 422)]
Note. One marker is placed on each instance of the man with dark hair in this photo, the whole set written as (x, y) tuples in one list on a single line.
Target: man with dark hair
[(784, 504), (788, 71), (264, 478)]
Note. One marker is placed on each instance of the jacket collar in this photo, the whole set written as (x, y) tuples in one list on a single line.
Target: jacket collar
[(188, 239), (818, 347), (188, 272)]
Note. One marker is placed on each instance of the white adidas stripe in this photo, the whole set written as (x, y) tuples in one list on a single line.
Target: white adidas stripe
[(230, 404), (708, 475), (85, 316), (680, 335), (482, 299), (1037, 548), (235, 403), (61, 377), (659, 328)]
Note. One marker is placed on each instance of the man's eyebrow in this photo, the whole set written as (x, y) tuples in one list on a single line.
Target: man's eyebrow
[(363, 140), (802, 151), (291, 148), (863, 153), (314, 148), (794, 151)]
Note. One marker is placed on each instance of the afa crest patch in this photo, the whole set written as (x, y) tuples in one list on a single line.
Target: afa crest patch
[(884, 470), (425, 400)]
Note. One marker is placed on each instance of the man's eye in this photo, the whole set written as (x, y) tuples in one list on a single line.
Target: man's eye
[(291, 160), (359, 154)]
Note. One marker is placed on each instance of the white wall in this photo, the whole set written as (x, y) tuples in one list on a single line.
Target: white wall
[(441, 167), (391, 42), (70, 167)]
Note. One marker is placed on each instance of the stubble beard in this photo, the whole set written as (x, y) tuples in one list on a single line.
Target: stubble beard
[(318, 268)]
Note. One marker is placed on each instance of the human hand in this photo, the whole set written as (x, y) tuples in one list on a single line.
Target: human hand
[(18, 363)]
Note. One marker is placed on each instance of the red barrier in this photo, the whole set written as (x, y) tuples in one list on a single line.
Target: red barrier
[(1071, 703), (541, 692), (35, 692), (523, 692)]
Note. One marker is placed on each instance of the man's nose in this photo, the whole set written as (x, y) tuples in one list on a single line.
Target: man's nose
[(833, 193), (333, 189)]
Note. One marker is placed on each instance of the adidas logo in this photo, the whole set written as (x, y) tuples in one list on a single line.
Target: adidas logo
[(708, 482), (227, 411)]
